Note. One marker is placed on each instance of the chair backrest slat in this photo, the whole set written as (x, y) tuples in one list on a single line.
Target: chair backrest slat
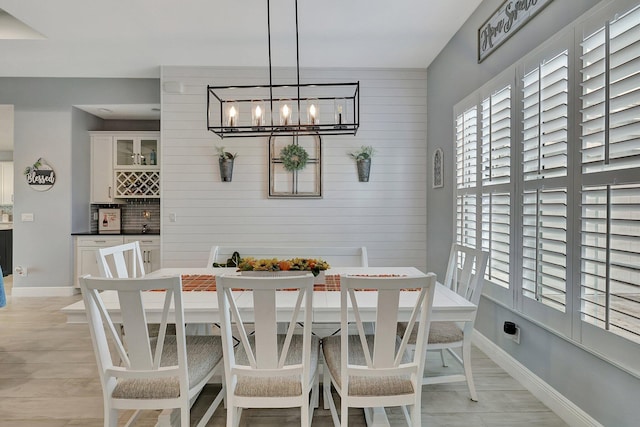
[(117, 256), (269, 352), (386, 357), (140, 355), (465, 272)]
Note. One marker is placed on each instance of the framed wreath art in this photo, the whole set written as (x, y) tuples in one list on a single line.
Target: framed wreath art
[(294, 157), (295, 166)]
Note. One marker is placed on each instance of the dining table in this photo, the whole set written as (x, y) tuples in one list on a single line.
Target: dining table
[(200, 304)]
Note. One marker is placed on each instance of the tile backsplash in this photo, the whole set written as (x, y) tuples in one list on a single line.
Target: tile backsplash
[(134, 214)]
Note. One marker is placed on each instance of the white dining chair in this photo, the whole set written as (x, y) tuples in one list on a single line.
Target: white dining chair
[(112, 261), (143, 372), (266, 369), (465, 276), (369, 371)]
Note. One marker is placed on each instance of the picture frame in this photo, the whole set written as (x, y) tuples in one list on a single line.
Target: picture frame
[(303, 183), (438, 169), (109, 221)]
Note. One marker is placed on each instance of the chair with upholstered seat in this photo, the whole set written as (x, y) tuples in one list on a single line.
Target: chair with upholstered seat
[(370, 371), (465, 275), (112, 261), (143, 372), (267, 369)]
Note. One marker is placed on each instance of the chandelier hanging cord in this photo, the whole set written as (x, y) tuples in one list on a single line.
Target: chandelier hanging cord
[(297, 56)]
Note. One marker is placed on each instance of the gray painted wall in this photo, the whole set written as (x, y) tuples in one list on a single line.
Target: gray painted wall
[(599, 388), (46, 125)]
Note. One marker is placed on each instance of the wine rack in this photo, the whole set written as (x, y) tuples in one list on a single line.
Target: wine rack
[(137, 184)]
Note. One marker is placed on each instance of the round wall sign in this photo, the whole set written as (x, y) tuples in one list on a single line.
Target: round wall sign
[(40, 176)]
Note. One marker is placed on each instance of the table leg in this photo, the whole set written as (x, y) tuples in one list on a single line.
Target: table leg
[(376, 417)]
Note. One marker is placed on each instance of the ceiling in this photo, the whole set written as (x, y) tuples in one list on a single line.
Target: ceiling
[(133, 38), (80, 38)]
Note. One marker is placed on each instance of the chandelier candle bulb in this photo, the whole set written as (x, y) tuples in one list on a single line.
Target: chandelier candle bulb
[(232, 116), (257, 115), (285, 115), (313, 112)]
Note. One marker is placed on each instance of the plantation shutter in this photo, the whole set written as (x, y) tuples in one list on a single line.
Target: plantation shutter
[(496, 225), (610, 220), (466, 148), (545, 116), (611, 258), (544, 275), (496, 138)]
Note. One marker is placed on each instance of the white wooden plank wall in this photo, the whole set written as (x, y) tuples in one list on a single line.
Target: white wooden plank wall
[(386, 214)]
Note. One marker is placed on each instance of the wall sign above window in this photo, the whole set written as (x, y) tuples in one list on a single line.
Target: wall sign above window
[(40, 176), (505, 21)]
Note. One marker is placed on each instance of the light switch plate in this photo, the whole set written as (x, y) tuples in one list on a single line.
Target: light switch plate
[(27, 217)]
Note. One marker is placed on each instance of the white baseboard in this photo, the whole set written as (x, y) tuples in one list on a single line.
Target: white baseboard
[(554, 400), (44, 291)]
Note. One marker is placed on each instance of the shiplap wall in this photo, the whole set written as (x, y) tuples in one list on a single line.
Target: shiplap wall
[(386, 214)]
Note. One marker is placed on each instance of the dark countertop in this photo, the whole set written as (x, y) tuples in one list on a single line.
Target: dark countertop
[(124, 233)]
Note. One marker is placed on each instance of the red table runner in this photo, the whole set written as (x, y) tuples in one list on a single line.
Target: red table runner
[(201, 282)]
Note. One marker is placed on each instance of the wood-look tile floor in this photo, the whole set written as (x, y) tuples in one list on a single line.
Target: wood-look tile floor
[(48, 378)]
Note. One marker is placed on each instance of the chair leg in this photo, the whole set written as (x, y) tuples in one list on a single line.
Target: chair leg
[(305, 420), (344, 413), (185, 417), (326, 387), (110, 417), (466, 358)]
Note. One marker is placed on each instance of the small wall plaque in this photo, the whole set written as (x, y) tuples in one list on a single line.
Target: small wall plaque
[(40, 176), (504, 22)]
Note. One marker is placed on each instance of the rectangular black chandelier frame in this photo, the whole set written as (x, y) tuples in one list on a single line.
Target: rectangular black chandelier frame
[(228, 106)]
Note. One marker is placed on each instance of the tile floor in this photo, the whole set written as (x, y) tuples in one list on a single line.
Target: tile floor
[(48, 379)]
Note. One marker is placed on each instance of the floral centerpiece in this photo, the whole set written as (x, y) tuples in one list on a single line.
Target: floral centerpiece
[(313, 265)]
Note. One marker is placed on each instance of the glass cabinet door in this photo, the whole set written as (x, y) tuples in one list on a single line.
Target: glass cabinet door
[(125, 152), (148, 151), (136, 152)]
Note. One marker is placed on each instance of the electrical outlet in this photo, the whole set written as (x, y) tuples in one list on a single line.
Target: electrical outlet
[(172, 217)]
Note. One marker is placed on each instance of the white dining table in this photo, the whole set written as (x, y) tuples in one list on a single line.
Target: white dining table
[(201, 307)]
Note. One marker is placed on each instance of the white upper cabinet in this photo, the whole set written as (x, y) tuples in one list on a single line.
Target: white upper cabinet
[(6, 186), (136, 152), (102, 169)]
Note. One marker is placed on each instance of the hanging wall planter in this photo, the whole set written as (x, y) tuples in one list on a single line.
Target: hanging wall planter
[(225, 160), (364, 166), (363, 161)]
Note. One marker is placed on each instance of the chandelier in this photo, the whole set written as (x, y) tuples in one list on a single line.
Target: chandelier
[(283, 109)]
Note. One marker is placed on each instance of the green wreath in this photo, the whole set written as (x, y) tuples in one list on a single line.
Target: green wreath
[(294, 157)]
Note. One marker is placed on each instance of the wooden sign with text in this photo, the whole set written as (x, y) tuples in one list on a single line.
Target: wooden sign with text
[(505, 21)]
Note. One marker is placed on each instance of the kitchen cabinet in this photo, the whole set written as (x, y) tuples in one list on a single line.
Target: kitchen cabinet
[(136, 151), (124, 165), (102, 169), (86, 261), (6, 251), (6, 186)]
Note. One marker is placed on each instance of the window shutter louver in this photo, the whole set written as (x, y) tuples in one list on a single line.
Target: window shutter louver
[(496, 138), (610, 265), (466, 148), (545, 116), (496, 226), (544, 232)]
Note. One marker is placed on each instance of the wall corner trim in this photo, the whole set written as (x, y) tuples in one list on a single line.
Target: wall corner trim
[(554, 400)]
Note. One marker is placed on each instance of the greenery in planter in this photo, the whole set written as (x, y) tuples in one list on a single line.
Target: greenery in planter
[(363, 153), (224, 155)]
